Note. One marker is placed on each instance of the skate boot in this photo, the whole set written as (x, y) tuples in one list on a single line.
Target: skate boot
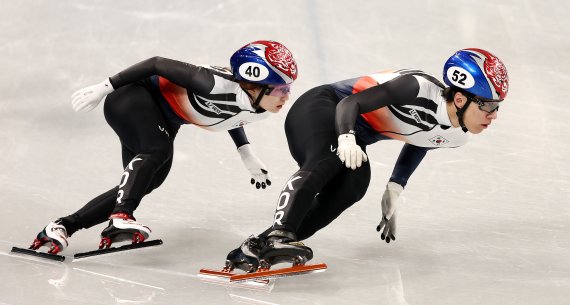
[(283, 247), (246, 256), (54, 236), (123, 227)]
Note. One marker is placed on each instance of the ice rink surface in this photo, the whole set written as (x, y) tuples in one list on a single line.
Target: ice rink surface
[(487, 223)]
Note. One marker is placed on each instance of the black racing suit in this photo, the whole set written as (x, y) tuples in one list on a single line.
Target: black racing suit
[(406, 105), (152, 99)]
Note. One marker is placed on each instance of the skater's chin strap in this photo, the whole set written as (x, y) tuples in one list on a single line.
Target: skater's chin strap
[(460, 112), (259, 97), (257, 100)]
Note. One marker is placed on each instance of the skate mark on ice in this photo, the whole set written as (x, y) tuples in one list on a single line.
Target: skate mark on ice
[(118, 279)]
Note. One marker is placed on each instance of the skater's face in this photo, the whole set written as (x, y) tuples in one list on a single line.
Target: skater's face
[(477, 116), (275, 97)]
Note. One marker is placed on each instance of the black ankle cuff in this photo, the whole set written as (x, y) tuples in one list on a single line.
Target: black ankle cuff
[(71, 224), (283, 234)]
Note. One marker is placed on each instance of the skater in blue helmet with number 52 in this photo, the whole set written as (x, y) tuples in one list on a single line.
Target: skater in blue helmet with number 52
[(338, 120)]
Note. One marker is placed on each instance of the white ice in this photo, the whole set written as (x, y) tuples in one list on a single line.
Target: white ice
[(484, 224)]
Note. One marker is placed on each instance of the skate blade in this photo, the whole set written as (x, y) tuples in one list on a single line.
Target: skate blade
[(224, 276), (277, 273), (116, 250), (54, 257)]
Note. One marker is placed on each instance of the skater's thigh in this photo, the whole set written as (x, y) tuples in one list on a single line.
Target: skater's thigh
[(347, 188), (136, 118), (309, 126)]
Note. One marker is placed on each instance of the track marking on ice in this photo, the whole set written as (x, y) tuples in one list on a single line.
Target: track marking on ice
[(250, 300), (118, 278)]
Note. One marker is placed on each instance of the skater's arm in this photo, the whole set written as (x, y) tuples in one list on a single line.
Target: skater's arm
[(181, 73), (239, 136), (256, 167), (410, 157), (193, 78), (399, 91)]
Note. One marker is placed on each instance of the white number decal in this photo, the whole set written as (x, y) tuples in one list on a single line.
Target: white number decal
[(253, 71), (460, 77)]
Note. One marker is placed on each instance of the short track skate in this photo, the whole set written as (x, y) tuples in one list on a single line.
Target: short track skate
[(86, 255), (115, 250), (35, 253), (264, 271), (226, 273)]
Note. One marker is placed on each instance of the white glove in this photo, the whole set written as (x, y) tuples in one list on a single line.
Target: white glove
[(255, 166), (388, 222), (88, 98), (349, 152)]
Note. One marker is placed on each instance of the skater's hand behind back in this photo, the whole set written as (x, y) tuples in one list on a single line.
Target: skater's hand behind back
[(88, 98)]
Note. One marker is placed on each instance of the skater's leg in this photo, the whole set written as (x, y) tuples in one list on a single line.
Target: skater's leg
[(138, 121), (340, 194), (312, 141), (145, 136), (297, 196), (93, 213), (295, 201), (160, 176), (122, 225)]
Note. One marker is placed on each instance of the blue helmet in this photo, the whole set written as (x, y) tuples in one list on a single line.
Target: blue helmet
[(478, 72), (264, 62)]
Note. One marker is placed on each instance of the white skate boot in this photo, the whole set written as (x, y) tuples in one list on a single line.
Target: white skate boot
[(123, 227), (54, 236)]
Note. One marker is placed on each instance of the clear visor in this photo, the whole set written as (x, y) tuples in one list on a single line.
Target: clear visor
[(279, 91)]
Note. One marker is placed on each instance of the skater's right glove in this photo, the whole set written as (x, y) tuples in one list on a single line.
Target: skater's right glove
[(388, 222), (88, 98), (349, 152), (259, 176)]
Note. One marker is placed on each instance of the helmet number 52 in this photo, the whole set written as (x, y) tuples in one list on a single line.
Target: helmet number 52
[(459, 77)]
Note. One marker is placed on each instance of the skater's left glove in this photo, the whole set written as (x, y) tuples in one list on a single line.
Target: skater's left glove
[(349, 152), (259, 176), (388, 222)]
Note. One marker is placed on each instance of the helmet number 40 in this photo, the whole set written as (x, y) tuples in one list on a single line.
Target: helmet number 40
[(253, 71)]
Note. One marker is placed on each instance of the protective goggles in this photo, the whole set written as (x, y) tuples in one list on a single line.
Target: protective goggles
[(486, 105), (279, 91)]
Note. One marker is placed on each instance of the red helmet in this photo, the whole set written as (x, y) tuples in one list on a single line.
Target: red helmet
[(264, 62)]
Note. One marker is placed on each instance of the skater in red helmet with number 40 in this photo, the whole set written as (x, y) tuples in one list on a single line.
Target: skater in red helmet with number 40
[(148, 102)]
